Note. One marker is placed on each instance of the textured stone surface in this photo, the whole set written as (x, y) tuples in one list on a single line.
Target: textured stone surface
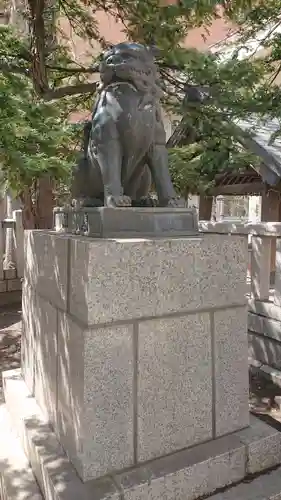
[(231, 370), (174, 384), (277, 288), (56, 476), (268, 309), (107, 222), (39, 349), (28, 336), (10, 274), (188, 474), (265, 350), (264, 326), (142, 278), (95, 396), (263, 445), (46, 265), (70, 389), (184, 475), (45, 357), (15, 284)]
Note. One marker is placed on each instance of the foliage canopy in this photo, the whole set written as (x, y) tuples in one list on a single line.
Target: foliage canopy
[(40, 83)]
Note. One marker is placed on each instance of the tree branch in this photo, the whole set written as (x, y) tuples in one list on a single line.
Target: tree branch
[(13, 68), (83, 88)]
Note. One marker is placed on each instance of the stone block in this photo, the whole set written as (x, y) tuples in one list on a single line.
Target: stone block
[(174, 384), (3, 286), (268, 309), (187, 475), (46, 259), (217, 467), (56, 476), (28, 338), (264, 326), (265, 350), (260, 267), (144, 278), (263, 446), (230, 370), (134, 222), (45, 357), (277, 288), (11, 298), (10, 274), (15, 284), (95, 397)]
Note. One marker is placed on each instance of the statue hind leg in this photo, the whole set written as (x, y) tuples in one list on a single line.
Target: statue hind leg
[(157, 160)]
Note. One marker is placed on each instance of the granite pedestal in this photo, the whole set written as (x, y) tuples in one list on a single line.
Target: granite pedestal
[(134, 367)]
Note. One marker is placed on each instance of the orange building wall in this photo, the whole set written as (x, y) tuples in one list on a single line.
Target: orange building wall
[(112, 32), (197, 38)]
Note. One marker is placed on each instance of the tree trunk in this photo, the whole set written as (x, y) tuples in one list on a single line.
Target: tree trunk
[(45, 203), (28, 217), (205, 207), (38, 204)]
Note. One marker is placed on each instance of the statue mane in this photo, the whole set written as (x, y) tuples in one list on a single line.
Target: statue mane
[(133, 63)]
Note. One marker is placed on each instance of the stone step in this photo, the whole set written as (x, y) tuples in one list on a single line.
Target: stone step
[(17, 481), (186, 475)]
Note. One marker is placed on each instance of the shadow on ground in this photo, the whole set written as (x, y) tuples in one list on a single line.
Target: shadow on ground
[(10, 333)]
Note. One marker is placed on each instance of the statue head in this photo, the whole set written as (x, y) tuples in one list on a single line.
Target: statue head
[(131, 62)]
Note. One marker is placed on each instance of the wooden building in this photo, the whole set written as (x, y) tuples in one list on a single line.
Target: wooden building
[(264, 180)]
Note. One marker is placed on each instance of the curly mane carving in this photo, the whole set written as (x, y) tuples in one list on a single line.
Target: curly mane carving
[(134, 64)]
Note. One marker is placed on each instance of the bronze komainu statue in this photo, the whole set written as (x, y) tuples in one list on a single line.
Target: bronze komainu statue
[(125, 143)]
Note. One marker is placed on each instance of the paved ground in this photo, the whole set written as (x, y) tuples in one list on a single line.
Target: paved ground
[(10, 332)]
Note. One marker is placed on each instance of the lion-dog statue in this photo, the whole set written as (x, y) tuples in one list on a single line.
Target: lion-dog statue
[(124, 143)]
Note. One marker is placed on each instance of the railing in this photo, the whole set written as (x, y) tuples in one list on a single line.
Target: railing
[(264, 269), (12, 247)]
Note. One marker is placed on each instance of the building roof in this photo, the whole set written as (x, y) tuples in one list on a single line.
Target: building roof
[(257, 136)]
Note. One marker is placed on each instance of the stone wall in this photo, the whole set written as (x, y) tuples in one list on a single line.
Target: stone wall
[(10, 288), (264, 324), (135, 348)]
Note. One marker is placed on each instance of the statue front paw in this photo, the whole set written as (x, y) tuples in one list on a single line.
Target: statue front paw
[(118, 201)]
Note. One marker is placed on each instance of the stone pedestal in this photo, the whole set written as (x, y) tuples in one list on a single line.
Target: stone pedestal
[(135, 222), (134, 367), (135, 348)]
